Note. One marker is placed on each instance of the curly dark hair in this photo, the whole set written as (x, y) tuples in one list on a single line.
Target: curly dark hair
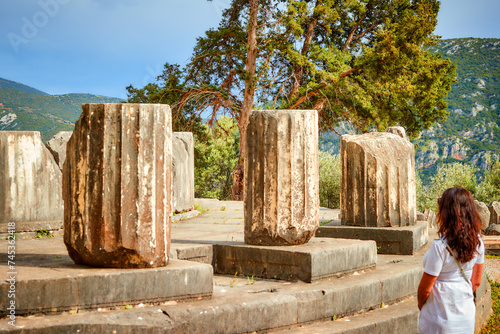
[(459, 222)]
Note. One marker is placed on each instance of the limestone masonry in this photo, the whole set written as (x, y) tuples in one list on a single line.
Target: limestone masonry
[(281, 177), (117, 186)]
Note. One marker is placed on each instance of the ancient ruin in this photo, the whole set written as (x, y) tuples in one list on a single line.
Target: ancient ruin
[(281, 178), (378, 180), (30, 183), (183, 171), (117, 186), (57, 146)]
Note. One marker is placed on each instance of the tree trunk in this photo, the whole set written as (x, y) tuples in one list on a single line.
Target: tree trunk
[(237, 189)]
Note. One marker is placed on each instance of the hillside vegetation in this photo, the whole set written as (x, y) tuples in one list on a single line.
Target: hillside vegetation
[(49, 114)]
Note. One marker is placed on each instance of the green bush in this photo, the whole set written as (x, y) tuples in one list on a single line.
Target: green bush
[(447, 176), (489, 189), (216, 154), (329, 180)]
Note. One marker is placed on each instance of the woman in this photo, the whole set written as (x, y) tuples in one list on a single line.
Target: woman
[(445, 293)]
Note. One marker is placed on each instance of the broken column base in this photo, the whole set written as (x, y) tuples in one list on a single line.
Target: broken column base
[(319, 258), (61, 286), (405, 240)]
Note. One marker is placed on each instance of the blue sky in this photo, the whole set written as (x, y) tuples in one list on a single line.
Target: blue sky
[(101, 46)]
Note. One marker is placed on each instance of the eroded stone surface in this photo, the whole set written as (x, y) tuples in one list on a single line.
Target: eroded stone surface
[(484, 213), (281, 177), (397, 130), (183, 171), (117, 183), (431, 218), (378, 180), (30, 180), (494, 208), (57, 146)]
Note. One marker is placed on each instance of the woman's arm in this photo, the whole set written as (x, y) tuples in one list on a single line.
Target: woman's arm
[(477, 274), (424, 289)]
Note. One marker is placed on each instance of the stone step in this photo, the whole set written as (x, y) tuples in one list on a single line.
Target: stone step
[(243, 304), (398, 318)]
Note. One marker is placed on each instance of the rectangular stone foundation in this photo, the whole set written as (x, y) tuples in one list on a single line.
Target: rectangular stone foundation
[(65, 287), (405, 240), (319, 258)]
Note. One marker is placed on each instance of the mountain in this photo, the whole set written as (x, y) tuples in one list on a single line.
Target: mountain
[(471, 131), (4, 83), (23, 110)]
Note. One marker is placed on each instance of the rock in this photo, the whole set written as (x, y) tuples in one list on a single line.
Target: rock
[(183, 171), (431, 218), (397, 130), (494, 208), (493, 229), (30, 181), (57, 146), (378, 180), (117, 183), (420, 216), (281, 177), (484, 213)]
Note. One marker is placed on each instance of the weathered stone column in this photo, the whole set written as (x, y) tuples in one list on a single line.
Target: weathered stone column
[(30, 183), (183, 171), (117, 182), (378, 180), (281, 177), (57, 146)]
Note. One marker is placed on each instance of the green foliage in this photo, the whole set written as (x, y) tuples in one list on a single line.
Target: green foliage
[(48, 114), (329, 180), (216, 154), (493, 325), (447, 176), (489, 189), (8, 84)]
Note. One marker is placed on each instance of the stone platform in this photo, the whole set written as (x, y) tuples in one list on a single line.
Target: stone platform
[(405, 240), (49, 282), (318, 259)]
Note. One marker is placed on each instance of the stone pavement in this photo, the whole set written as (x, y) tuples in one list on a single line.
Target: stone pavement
[(238, 304)]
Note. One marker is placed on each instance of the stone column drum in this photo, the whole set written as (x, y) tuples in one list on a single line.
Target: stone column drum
[(281, 177), (117, 182), (378, 180), (183, 171), (30, 183)]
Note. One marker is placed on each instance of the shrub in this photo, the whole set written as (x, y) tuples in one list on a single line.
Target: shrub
[(447, 176), (489, 189), (329, 180), (216, 154)]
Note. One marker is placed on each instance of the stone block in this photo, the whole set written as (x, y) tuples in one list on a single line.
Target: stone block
[(183, 171), (493, 229), (431, 218), (405, 240), (117, 186), (494, 208), (398, 131), (378, 180), (69, 287), (57, 146), (281, 177), (484, 213), (30, 182), (318, 259)]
